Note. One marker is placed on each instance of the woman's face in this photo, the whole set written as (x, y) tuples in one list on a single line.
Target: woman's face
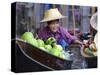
[(53, 25)]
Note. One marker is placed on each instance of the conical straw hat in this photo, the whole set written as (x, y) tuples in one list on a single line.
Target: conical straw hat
[(52, 14)]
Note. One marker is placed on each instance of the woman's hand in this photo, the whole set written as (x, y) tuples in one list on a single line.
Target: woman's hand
[(78, 42)]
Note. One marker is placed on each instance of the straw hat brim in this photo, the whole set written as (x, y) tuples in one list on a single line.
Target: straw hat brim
[(51, 19)]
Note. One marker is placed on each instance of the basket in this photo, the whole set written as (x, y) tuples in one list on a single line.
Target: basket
[(90, 60)]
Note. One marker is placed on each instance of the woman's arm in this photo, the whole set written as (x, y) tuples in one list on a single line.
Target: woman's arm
[(78, 42), (72, 39)]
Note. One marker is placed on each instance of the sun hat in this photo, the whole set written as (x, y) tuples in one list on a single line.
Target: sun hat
[(52, 14)]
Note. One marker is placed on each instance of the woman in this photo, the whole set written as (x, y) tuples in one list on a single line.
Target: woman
[(54, 29)]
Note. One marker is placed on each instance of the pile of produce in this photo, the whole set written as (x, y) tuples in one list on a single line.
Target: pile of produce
[(90, 49), (49, 45)]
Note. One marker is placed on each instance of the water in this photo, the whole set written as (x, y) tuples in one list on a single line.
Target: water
[(78, 61)]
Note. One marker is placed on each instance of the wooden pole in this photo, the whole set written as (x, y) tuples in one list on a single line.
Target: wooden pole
[(73, 15), (93, 10)]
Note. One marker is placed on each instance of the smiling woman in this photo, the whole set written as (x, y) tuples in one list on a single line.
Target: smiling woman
[(54, 29)]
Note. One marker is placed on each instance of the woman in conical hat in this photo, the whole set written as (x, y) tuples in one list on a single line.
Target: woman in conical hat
[(54, 29)]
